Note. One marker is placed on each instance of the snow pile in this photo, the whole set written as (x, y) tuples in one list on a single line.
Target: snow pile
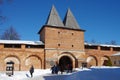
[(94, 73), (24, 75)]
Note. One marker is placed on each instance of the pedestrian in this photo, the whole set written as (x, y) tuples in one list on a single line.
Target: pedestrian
[(56, 69), (61, 69), (70, 68), (31, 70), (53, 69)]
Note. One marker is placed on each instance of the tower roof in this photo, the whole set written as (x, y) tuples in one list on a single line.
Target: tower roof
[(53, 18), (70, 21)]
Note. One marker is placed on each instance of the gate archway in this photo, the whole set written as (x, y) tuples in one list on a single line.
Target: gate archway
[(64, 61), (66, 58)]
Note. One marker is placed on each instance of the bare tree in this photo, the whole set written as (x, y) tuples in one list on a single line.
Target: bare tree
[(93, 41), (113, 42), (10, 34)]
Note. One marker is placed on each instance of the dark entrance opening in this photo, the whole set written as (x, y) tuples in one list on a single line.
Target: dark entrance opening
[(107, 63), (64, 61)]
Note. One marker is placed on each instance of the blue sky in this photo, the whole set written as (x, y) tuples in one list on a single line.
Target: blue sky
[(100, 18)]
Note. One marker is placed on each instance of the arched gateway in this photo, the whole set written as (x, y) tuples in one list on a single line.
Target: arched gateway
[(65, 59)]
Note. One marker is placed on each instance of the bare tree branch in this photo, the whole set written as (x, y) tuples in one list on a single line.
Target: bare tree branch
[(113, 42), (10, 34)]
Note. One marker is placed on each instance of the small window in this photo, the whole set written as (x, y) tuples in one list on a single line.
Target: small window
[(58, 32), (12, 46), (105, 48), (72, 33), (72, 45), (91, 47), (58, 44), (116, 48), (34, 46), (28, 46)]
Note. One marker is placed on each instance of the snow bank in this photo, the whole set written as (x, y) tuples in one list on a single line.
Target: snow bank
[(93, 73)]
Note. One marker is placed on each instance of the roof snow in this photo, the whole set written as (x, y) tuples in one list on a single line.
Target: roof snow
[(21, 42), (41, 43), (104, 45)]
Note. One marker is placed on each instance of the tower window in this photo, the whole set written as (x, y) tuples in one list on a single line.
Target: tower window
[(116, 49), (72, 33), (72, 45), (58, 44), (58, 32)]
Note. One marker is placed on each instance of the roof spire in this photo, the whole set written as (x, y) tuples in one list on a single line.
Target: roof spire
[(70, 21), (54, 19)]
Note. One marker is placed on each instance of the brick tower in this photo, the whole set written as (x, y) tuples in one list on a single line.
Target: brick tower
[(64, 41)]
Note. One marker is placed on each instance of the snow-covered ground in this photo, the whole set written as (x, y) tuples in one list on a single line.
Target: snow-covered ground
[(94, 73)]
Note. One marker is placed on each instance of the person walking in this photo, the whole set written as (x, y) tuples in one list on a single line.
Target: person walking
[(31, 70), (56, 69)]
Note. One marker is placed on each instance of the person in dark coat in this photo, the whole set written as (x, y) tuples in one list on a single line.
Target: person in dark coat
[(53, 69), (70, 67), (61, 69), (31, 70), (56, 69)]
